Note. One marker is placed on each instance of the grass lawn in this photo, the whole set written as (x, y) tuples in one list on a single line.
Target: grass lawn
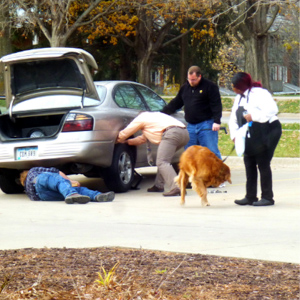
[(288, 146), (285, 106)]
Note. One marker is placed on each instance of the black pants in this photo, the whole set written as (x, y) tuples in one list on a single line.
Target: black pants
[(262, 161)]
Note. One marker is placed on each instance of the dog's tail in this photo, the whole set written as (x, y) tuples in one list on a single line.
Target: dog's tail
[(179, 179), (176, 179)]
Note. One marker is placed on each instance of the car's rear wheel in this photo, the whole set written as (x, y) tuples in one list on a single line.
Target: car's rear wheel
[(8, 183), (119, 176)]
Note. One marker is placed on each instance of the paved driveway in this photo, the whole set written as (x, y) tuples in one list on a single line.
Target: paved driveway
[(144, 220)]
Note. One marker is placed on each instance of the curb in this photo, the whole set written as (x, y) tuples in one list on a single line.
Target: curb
[(280, 162)]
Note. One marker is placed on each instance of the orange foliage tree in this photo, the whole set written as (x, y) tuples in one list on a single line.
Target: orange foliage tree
[(145, 26)]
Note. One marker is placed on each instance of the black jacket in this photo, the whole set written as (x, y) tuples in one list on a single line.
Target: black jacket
[(201, 103)]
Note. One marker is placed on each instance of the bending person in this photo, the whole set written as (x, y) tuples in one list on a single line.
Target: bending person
[(170, 134)]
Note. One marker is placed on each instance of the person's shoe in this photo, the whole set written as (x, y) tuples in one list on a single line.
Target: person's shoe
[(155, 189), (105, 197), (174, 192), (263, 202), (244, 201), (76, 198), (214, 187)]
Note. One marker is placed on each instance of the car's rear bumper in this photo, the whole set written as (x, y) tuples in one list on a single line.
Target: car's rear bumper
[(68, 148)]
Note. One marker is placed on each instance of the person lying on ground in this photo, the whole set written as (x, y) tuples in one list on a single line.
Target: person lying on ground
[(50, 184)]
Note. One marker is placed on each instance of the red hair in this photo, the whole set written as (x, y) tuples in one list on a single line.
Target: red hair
[(243, 81)]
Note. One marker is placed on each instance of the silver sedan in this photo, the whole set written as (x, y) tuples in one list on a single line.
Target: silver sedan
[(57, 116)]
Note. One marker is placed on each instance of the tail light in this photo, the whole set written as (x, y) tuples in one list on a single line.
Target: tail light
[(78, 122)]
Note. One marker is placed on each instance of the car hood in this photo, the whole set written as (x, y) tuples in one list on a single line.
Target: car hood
[(48, 71)]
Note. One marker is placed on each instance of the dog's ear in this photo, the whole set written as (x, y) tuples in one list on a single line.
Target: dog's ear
[(225, 173), (228, 178), (223, 170)]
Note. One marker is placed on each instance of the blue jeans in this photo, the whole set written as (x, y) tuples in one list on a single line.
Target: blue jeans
[(201, 134), (52, 186)]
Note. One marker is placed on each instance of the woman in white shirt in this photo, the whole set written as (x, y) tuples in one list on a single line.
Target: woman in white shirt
[(255, 105)]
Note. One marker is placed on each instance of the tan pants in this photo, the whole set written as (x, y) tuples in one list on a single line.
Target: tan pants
[(172, 140)]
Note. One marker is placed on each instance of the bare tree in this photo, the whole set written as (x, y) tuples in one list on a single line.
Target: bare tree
[(59, 19), (251, 23), (251, 27), (54, 17)]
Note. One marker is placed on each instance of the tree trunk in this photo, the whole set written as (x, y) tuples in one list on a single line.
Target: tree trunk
[(184, 61), (5, 44), (256, 59), (56, 42), (144, 67), (144, 48), (254, 20), (125, 68), (58, 39)]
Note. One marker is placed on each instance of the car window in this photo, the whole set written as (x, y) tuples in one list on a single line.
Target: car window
[(30, 76), (126, 96), (154, 101), (101, 90)]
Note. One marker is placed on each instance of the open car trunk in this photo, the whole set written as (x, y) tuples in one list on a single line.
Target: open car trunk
[(30, 127)]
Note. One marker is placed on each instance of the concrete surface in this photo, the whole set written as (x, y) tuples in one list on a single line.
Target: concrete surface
[(138, 219)]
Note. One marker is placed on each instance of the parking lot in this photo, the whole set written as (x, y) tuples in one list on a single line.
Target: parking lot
[(138, 219)]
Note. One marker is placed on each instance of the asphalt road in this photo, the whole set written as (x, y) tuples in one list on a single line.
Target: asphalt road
[(138, 219)]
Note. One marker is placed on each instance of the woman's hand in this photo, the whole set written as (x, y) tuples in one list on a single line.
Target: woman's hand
[(248, 118)]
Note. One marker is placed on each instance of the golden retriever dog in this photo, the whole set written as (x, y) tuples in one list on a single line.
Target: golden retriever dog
[(202, 168)]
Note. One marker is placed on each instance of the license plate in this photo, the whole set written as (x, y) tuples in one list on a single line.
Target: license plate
[(27, 153)]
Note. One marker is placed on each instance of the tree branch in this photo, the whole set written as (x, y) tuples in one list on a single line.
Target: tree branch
[(270, 23)]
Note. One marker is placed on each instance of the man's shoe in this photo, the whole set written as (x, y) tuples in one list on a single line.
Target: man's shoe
[(263, 202), (174, 192), (76, 198), (244, 201), (155, 189), (220, 186), (105, 197)]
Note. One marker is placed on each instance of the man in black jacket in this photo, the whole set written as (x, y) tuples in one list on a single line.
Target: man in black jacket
[(202, 107)]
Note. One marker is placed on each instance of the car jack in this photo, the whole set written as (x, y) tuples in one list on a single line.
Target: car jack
[(136, 180)]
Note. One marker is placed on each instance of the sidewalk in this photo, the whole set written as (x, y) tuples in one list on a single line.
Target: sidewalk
[(277, 162), (142, 220), (283, 117)]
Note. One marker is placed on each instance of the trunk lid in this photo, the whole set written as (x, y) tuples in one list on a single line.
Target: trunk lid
[(46, 72)]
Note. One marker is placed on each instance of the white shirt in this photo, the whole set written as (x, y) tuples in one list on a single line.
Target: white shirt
[(261, 106)]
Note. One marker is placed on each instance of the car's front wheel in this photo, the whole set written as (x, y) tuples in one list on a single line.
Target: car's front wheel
[(119, 176), (8, 183)]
